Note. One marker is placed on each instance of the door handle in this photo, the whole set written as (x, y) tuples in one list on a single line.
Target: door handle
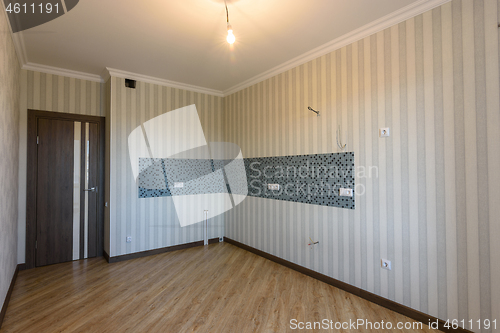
[(93, 189)]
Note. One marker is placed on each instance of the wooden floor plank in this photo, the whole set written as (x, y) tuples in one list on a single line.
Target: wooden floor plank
[(218, 288)]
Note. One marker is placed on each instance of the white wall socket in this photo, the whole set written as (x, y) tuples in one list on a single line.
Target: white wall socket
[(386, 264), (384, 132), (129, 239), (179, 185), (345, 192), (273, 187)]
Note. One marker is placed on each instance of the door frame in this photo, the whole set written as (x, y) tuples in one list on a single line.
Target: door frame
[(31, 184)]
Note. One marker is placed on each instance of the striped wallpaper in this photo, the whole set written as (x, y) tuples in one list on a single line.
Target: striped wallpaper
[(10, 73), (55, 93), (48, 92), (431, 202), (152, 223)]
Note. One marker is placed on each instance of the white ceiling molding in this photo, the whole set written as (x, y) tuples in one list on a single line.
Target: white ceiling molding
[(62, 72), (385, 22), (105, 75), (18, 40), (161, 82)]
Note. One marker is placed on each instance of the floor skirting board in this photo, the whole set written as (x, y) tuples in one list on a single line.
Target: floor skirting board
[(9, 293), (142, 254), (379, 300)]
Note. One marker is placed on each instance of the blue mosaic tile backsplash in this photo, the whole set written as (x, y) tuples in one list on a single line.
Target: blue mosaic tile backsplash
[(312, 179)]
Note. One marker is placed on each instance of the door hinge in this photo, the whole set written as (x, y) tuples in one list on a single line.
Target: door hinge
[(37, 140)]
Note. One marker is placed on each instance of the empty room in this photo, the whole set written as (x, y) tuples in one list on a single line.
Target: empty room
[(250, 166)]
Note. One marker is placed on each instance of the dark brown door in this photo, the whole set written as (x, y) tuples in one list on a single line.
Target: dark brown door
[(66, 191), (55, 191)]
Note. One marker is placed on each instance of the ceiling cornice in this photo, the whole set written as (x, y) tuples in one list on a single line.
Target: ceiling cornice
[(18, 41), (385, 22), (105, 75), (158, 81), (62, 72)]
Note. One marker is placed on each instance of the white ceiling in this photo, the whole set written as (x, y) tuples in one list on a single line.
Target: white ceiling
[(184, 41)]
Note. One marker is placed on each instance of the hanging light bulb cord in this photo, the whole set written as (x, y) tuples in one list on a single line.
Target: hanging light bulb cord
[(227, 12)]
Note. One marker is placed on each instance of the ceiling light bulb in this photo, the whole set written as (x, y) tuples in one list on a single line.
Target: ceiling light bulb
[(230, 37)]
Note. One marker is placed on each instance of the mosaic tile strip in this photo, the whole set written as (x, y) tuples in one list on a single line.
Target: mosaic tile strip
[(157, 177), (152, 181), (312, 179)]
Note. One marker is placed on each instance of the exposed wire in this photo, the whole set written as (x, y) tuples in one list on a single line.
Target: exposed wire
[(339, 139), (312, 242), (311, 109)]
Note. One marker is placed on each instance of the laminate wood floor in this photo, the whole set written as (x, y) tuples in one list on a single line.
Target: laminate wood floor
[(219, 288)]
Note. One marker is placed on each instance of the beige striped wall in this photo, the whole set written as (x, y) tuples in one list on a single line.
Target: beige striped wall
[(47, 92), (10, 73), (433, 209), (152, 223), (56, 93)]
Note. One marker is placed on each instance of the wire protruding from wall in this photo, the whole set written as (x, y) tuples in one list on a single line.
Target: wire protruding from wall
[(312, 242), (311, 109), (339, 139)]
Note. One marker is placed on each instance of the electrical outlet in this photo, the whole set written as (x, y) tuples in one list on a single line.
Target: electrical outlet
[(345, 192), (179, 185), (273, 187), (384, 132), (129, 239), (386, 264)]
